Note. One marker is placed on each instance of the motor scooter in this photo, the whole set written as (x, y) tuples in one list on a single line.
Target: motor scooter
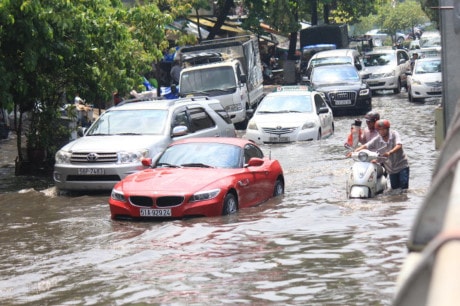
[(367, 178)]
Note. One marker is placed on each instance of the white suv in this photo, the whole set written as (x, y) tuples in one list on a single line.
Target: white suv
[(387, 68), (116, 142)]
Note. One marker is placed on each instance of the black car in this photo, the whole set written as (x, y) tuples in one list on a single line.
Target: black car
[(345, 91)]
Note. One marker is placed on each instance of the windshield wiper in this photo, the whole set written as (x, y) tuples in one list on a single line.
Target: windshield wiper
[(128, 133), (197, 165), (99, 134), (167, 165)]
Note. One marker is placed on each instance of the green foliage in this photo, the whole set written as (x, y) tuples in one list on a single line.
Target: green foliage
[(50, 49)]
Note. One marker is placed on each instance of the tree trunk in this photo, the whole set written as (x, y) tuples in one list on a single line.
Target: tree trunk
[(220, 19)]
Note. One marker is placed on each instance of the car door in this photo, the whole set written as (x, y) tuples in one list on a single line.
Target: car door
[(255, 185), (326, 119)]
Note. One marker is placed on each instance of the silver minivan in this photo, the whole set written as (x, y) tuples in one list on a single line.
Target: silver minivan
[(335, 57), (115, 144)]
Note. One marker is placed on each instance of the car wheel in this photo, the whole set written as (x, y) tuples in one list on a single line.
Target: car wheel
[(230, 204), (397, 90), (400, 40), (279, 188)]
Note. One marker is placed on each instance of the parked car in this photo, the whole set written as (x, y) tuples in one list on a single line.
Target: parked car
[(345, 91), (425, 81), (116, 142), (379, 36), (199, 177), (387, 68), (334, 57), (292, 113)]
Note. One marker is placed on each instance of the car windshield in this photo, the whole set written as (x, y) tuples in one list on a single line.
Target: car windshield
[(218, 155), (428, 42), (334, 74), (204, 80), (130, 122), (331, 60), (422, 67), (285, 104), (379, 59)]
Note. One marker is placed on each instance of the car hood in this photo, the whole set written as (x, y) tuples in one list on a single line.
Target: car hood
[(337, 86), (116, 143), (283, 120), (164, 180), (429, 77), (378, 69)]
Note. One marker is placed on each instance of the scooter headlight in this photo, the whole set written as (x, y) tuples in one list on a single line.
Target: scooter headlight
[(362, 156)]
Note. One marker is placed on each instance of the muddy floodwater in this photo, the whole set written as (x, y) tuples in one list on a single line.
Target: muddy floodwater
[(312, 246)]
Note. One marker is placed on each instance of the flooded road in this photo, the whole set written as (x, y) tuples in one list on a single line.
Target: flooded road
[(313, 246)]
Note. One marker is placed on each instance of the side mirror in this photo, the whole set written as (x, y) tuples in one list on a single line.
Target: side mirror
[(243, 78), (255, 162), (147, 162), (179, 130), (81, 131), (358, 66), (323, 110)]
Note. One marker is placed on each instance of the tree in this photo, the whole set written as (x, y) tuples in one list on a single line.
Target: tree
[(51, 48), (404, 15)]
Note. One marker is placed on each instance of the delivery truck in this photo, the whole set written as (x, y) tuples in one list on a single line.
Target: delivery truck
[(227, 69)]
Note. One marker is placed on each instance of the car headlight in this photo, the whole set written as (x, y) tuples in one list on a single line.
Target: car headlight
[(233, 108), (415, 81), (62, 157), (131, 157), (118, 195), (205, 195), (252, 125), (308, 125), (389, 74), (364, 92)]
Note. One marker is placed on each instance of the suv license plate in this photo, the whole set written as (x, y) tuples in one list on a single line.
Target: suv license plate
[(90, 171), (342, 102), (150, 212)]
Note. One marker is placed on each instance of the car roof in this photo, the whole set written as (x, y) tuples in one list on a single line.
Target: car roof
[(335, 52), (241, 142), (429, 59), (334, 66), (161, 104), (291, 90)]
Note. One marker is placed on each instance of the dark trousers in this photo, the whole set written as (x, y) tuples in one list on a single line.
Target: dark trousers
[(400, 179)]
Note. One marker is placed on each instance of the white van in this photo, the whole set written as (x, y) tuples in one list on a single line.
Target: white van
[(335, 57)]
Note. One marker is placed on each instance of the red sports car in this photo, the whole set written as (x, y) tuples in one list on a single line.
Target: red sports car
[(199, 177)]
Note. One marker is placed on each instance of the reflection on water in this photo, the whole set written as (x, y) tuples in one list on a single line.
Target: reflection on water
[(311, 246)]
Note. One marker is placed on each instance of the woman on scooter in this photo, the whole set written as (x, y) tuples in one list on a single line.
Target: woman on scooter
[(389, 145)]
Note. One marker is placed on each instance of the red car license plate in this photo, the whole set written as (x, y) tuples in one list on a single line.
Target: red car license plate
[(151, 212)]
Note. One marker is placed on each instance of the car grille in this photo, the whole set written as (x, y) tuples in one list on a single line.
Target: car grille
[(167, 201), (91, 157), (337, 96), (434, 84), (376, 75), (93, 178), (279, 130)]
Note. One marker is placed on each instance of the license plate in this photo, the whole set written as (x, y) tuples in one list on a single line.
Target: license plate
[(151, 212), (342, 102), (279, 139), (435, 89), (90, 171)]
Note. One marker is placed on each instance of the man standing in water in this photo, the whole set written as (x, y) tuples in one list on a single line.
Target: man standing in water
[(389, 145)]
